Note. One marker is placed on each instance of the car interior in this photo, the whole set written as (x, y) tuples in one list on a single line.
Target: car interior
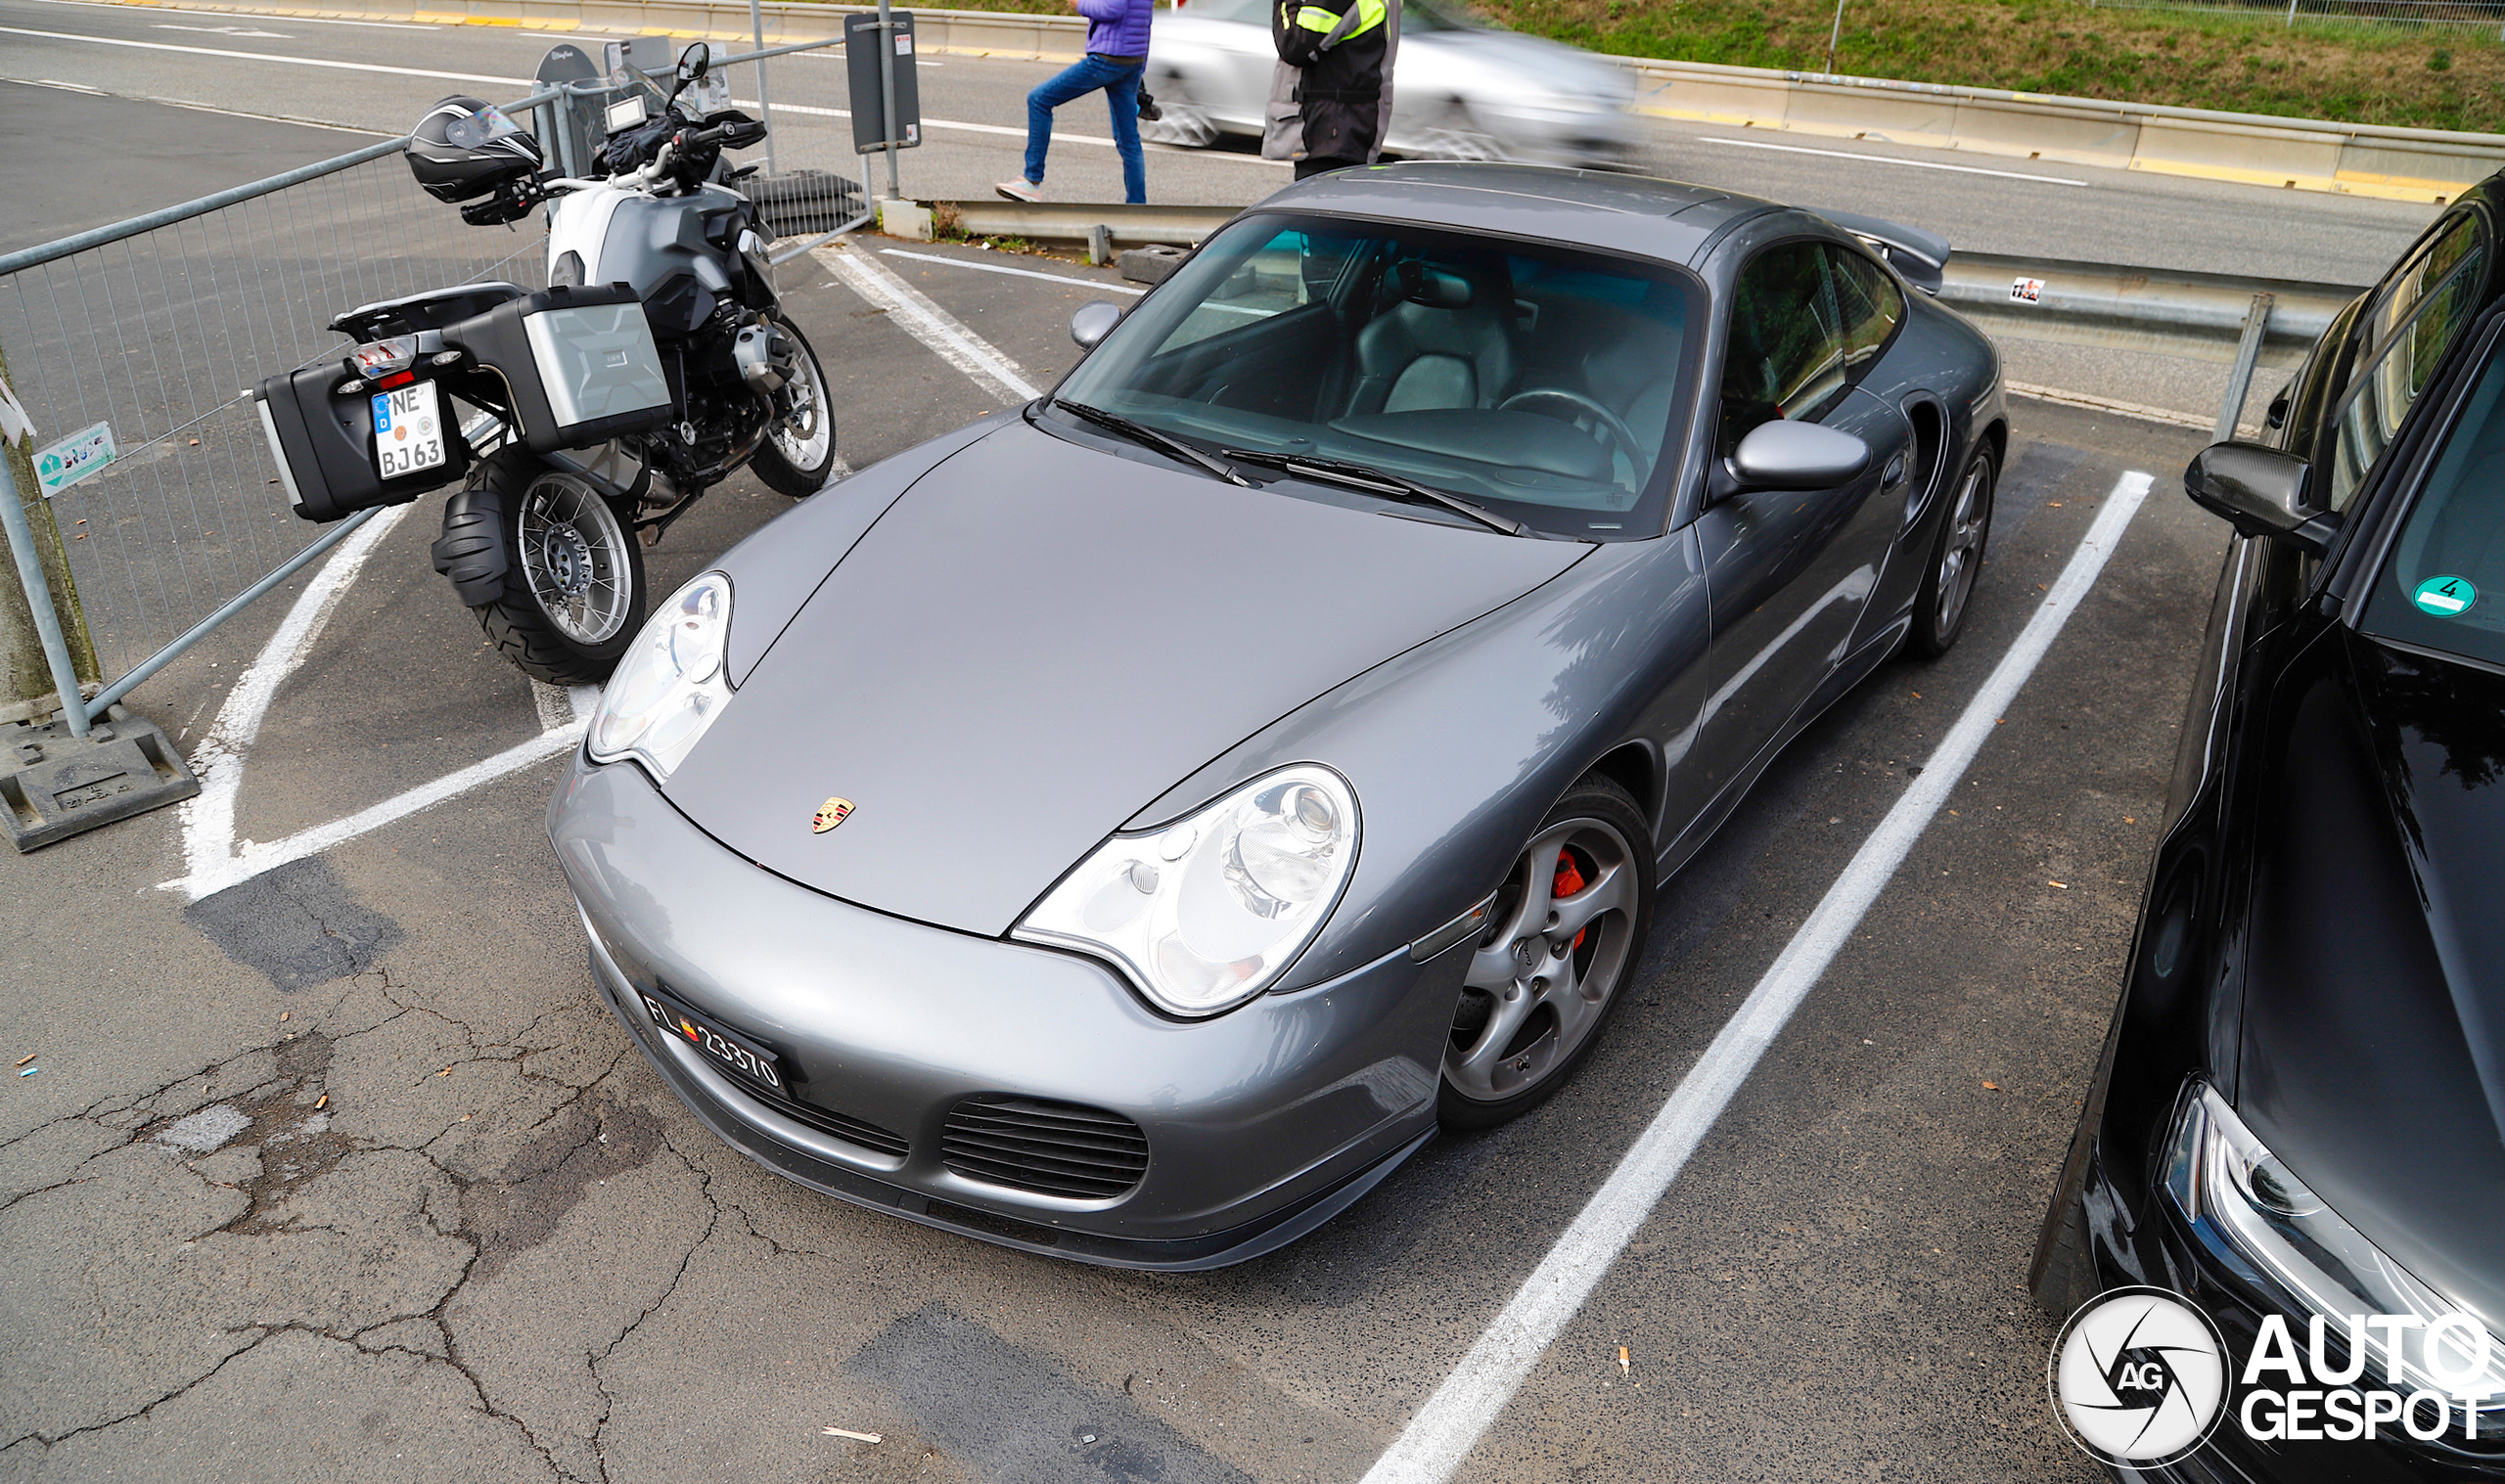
[(1542, 379)]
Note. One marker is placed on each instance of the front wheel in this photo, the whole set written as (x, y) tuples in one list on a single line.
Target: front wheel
[(1956, 557), (799, 451), (1568, 927), (573, 594)]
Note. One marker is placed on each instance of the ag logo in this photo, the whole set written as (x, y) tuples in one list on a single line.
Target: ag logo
[(2139, 1377), (829, 814)]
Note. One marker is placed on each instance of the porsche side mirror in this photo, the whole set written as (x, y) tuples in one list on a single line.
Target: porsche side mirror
[(2262, 492), (1093, 321), (1785, 455)]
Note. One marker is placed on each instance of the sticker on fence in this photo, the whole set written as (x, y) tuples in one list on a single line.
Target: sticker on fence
[(2027, 290), (75, 457)]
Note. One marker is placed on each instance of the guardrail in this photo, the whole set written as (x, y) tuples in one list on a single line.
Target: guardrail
[(2243, 323), (2258, 148)]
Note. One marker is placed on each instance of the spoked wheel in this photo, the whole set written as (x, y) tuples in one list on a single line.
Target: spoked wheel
[(1185, 124), (1457, 135), (1569, 925), (1956, 557), (799, 451), (573, 585)]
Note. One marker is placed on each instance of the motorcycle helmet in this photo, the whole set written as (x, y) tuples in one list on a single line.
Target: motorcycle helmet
[(466, 147)]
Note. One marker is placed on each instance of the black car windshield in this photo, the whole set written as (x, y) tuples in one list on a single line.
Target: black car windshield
[(2443, 587), (1544, 384)]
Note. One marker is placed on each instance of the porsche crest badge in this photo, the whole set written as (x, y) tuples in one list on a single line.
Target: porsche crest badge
[(829, 814)]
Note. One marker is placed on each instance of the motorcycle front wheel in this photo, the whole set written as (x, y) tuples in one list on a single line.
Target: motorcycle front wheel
[(572, 595), (799, 451)]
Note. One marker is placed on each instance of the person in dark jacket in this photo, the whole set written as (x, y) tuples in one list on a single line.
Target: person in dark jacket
[(1335, 69), (1116, 55)]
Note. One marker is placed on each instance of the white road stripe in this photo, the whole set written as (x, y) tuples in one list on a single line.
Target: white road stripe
[(1891, 160), (929, 324), (321, 62), (1049, 278), (382, 25), (1444, 1431)]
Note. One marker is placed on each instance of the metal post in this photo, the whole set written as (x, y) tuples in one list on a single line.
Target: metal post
[(31, 578), (2248, 354), (888, 92), (764, 103), (1835, 35), (2291, 14)]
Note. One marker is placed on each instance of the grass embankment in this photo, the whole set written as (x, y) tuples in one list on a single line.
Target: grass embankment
[(2432, 77)]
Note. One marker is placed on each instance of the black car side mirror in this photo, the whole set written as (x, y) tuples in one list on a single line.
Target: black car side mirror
[(2262, 492), (1785, 455), (1093, 321)]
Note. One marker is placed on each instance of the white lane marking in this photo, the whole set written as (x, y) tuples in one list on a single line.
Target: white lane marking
[(222, 31), (383, 25), (1444, 1431), (1890, 159), (320, 62), (213, 857), (208, 817), (1049, 278), (929, 324)]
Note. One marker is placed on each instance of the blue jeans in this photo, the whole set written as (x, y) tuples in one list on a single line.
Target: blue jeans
[(1120, 83)]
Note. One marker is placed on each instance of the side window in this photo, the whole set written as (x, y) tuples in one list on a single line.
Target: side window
[(2414, 318), (1873, 307), (1786, 358)]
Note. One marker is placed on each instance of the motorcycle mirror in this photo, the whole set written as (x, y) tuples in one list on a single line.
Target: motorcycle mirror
[(1093, 321), (695, 63)]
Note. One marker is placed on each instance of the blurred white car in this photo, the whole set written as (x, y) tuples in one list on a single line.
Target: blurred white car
[(1460, 90)]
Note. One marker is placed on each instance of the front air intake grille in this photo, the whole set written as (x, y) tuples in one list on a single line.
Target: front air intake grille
[(1054, 1148), (827, 1121)]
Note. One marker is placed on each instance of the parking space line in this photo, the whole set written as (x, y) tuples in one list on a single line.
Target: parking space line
[(926, 321), (1451, 1425), (1891, 160), (1049, 278)]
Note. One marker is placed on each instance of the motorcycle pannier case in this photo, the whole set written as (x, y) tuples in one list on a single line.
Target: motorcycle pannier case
[(325, 438), (577, 361)]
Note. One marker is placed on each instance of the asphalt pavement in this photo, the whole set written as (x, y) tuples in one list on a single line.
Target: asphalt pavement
[(339, 1169)]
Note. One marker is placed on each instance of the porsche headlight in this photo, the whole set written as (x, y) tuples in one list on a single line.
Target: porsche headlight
[(2251, 1210), (1208, 911), (671, 684)]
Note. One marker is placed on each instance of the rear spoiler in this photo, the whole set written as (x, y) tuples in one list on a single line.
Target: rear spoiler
[(1920, 256)]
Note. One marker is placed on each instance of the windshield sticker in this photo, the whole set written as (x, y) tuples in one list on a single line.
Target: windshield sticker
[(2446, 596)]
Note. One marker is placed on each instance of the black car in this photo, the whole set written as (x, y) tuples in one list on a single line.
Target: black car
[(2298, 1108)]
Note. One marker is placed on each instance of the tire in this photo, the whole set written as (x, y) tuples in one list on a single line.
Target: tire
[(573, 594), (1566, 991), (1949, 575), (799, 449), (1187, 125)]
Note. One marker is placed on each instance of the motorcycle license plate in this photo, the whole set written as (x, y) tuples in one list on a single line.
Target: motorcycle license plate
[(408, 430), (750, 1063)]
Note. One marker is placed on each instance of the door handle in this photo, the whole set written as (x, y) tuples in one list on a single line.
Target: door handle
[(1895, 471)]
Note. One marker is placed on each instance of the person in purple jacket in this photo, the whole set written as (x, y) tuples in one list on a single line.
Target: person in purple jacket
[(1116, 54)]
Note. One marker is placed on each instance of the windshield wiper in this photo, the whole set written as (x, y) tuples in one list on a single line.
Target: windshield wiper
[(1140, 432), (1375, 481)]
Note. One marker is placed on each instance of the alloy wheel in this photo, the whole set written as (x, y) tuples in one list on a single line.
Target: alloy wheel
[(1541, 980), (1961, 554)]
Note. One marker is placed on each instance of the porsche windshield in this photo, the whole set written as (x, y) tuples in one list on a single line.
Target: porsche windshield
[(1544, 384)]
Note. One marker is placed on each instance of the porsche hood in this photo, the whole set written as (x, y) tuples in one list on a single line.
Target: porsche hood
[(1036, 640)]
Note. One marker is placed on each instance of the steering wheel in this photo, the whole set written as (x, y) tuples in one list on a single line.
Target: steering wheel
[(1585, 407)]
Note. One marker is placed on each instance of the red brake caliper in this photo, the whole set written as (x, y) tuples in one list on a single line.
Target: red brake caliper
[(1570, 879)]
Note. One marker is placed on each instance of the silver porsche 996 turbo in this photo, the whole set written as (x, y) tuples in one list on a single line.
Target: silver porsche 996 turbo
[(1128, 827)]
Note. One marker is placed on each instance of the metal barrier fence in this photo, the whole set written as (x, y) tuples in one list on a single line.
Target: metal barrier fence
[(145, 335), (2481, 14)]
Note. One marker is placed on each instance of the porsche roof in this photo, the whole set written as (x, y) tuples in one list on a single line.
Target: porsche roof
[(1629, 213)]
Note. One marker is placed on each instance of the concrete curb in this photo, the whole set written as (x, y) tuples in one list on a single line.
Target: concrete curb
[(2247, 149)]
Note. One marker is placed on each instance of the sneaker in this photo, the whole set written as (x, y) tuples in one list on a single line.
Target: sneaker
[(1020, 189)]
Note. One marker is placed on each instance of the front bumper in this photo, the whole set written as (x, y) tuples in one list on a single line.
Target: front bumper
[(1261, 1123)]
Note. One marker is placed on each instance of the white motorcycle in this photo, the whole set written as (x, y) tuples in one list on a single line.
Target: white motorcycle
[(656, 363)]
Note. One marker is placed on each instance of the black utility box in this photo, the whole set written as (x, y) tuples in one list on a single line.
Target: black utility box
[(579, 364), (341, 451)]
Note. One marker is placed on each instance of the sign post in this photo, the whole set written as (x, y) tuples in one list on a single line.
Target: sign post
[(887, 94)]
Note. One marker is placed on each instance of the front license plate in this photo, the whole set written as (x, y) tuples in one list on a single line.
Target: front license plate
[(408, 430), (741, 1058)]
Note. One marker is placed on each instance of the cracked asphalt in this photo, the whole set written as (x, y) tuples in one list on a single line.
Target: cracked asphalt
[(345, 1173)]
